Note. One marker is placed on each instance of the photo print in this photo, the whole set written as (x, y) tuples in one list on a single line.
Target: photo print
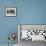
[(10, 11)]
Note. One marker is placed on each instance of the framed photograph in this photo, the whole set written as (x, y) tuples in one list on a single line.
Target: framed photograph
[(10, 11)]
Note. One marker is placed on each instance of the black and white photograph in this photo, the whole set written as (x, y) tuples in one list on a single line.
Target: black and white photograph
[(10, 11)]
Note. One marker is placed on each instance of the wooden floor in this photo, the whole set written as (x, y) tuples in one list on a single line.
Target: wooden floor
[(30, 43)]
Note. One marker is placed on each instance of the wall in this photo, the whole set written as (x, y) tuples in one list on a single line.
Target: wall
[(33, 12), (8, 24), (28, 12)]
